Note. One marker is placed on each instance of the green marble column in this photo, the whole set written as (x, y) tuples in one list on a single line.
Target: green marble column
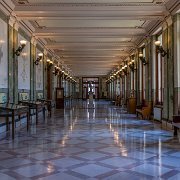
[(15, 65), (128, 82), (32, 71), (11, 83), (45, 76), (138, 91), (168, 107), (176, 25), (170, 72), (152, 70), (147, 69)]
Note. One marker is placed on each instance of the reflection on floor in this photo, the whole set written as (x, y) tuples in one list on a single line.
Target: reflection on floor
[(100, 143)]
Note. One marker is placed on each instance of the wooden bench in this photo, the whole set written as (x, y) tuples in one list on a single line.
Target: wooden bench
[(3, 100), (176, 124), (145, 111)]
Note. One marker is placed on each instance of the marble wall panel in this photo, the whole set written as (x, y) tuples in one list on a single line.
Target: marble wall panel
[(3, 55), (24, 66), (39, 73)]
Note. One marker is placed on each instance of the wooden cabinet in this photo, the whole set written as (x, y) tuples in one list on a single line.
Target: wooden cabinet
[(59, 98), (131, 105)]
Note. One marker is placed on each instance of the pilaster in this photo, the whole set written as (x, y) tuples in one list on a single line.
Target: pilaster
[(176, 44)]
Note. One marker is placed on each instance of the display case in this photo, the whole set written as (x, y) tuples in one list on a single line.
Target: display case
[(59, 98)]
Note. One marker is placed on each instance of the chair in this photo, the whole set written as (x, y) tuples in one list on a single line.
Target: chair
[(6, 115), (118, 101), (145, 111)]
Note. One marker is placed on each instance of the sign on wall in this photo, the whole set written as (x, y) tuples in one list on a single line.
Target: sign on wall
[(39, 73), (3, 55), (24, 66), (55, 81)]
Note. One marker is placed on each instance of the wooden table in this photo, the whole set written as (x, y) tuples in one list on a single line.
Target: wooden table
[(38, 106), (48, 103), (15, 110)]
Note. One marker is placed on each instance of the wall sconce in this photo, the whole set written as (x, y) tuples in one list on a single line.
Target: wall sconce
[(49, 64), (124, 69), (143, 59), (111, 77), (160, 49), (56, 70), (132, 65), (39, 58), (21, 47)]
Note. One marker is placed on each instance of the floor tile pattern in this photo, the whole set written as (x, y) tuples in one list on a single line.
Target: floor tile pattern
[(78, 142)]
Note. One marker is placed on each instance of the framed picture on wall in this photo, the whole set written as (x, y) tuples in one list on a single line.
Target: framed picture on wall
[(59, 93)]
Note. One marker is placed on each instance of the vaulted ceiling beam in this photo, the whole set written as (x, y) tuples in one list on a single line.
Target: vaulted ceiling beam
[(50, 8)]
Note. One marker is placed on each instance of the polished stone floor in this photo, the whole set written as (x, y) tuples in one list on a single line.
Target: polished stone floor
[(103, 142)]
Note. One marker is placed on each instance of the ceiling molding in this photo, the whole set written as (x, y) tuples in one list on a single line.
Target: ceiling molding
[(93, 37)]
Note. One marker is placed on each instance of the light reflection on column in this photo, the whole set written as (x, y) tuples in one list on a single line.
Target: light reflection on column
[(144, 145), (160, 154), (117, 140), (50, 168), (69, 130)]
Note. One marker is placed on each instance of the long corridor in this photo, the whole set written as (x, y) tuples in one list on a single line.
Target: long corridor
[(103, 142)]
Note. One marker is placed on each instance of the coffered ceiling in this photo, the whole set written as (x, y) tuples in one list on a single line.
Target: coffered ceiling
[(92, 36)]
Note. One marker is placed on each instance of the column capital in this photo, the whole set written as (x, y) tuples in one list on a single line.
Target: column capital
[(33, 40), (168, 22), (45, 52), (12, 20)]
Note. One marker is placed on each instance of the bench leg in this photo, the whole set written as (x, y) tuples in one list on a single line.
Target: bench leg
[(36, 116), (44, 112), (7, 123), (49, 110), (175, 131)]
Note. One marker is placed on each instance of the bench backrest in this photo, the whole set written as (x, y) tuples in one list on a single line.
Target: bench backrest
[(40, 96), (3, 98), (24, 96), (176, 119), (150, 104), (148, 107)]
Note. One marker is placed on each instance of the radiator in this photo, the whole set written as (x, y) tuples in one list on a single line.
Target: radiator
[(158, 113)]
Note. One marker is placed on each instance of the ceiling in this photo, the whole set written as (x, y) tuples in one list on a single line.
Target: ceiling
[(91, 36)]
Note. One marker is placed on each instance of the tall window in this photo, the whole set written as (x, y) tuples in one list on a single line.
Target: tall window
[(159, 75), (142, 75)]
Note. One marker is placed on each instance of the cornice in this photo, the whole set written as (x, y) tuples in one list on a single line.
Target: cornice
[(26, 3), (7, 6)]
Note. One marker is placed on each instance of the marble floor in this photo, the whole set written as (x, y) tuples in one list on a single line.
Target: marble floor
[(103, 142)]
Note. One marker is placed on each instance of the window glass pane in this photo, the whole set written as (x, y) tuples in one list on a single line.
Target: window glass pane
[(160, 74), (159, 78), (140, 75)]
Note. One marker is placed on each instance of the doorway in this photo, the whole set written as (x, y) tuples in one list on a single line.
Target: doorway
[(90, 84)]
